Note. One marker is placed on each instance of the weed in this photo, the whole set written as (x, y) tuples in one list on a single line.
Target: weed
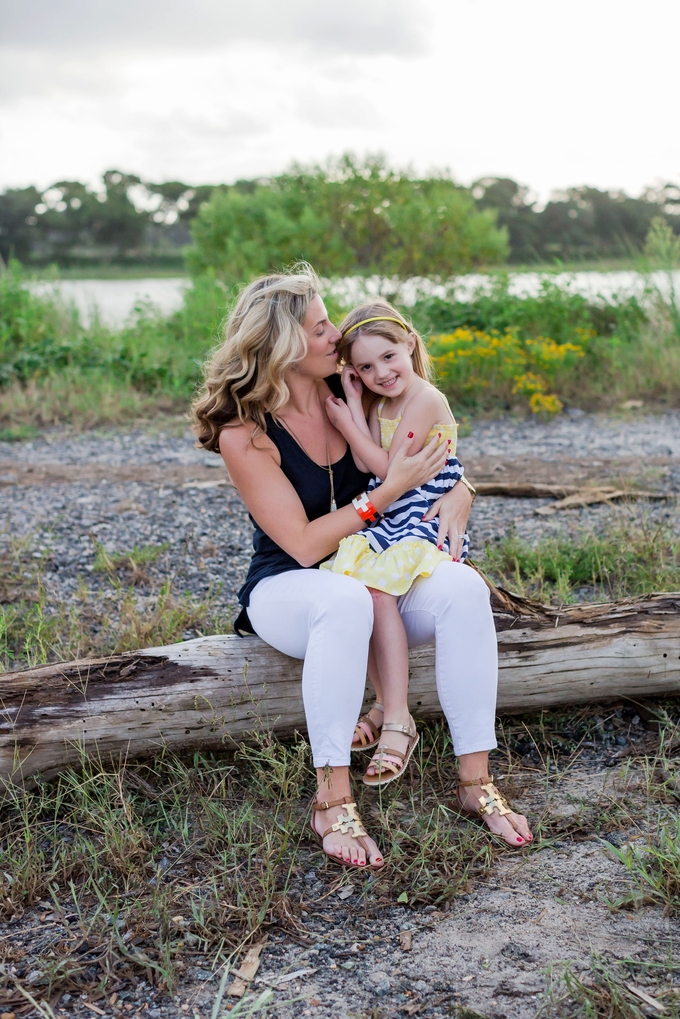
[(623, 563)]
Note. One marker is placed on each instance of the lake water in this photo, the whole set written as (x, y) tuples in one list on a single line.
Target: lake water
[(114, 300)]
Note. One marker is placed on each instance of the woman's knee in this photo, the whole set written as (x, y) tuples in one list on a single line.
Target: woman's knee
[(347, 598), (461, 585)]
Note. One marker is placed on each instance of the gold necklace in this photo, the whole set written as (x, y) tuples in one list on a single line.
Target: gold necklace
[(328, 466)]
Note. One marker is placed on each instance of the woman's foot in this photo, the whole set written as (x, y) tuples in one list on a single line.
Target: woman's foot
[(402, 739), (367, 729), (481, 797), (343, 836)]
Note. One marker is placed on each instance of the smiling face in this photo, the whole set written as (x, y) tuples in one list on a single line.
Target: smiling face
[(321, 358), (383, 366)]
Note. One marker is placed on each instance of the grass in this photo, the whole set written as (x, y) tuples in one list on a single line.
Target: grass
[(135, 610), (625, 562), (143, 870), (557, 348), (604, 990)]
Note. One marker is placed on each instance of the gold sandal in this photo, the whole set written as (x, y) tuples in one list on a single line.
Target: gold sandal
[(369, 736), (345, 821), (393, 768), (491, 802)]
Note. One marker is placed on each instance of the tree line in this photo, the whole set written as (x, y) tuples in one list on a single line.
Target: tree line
[(348, 216)]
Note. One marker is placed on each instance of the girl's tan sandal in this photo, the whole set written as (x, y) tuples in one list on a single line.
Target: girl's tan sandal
[(491, 802), (349, 821), (387, 769), (366, 732)]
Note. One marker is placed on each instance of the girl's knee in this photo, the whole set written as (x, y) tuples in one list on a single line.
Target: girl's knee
[(379, 597)]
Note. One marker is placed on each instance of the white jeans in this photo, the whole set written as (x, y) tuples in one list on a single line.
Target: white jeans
[(326, 619)]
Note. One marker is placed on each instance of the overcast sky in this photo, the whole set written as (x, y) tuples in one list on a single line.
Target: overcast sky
[(551, 93)]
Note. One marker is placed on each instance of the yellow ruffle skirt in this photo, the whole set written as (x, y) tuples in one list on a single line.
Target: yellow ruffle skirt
[(392, 570)]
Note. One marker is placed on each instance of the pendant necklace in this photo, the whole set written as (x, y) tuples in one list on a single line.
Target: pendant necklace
[(328, 466)]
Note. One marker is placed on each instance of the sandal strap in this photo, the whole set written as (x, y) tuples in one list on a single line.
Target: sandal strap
[(394, 727), (385, 751), (326, 804), (493, 801), (347, 821), (477, 782), (366, 730)]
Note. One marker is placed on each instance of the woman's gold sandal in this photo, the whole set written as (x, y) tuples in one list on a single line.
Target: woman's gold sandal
[(491, 802), (349, 820), (366, 731), (388, 770)]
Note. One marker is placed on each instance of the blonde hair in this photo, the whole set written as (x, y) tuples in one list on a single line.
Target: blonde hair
[(245, 377), (396, 331)]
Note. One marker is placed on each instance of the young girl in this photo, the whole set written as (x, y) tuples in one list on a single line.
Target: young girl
[(385, 355)]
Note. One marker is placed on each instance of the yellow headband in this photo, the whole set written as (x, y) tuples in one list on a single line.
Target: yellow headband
[(378, 318)]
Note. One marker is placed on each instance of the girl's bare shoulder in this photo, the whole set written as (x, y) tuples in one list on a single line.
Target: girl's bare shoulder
[(428, 400)]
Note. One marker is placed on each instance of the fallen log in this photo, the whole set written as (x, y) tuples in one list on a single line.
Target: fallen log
[(214, 691), (567, 495)]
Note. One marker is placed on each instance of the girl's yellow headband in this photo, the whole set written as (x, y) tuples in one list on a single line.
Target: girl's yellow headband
[(378, 318)]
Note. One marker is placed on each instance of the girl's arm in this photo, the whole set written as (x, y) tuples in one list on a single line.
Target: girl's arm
[(368, 455), (254, 468), (422, 412)]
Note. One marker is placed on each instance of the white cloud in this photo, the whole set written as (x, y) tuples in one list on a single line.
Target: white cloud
[(353, 26), (550, 94)]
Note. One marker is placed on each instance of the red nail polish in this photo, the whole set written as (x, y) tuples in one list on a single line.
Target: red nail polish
[(439, 435), (519, 839), (440, 547), (410, 435)]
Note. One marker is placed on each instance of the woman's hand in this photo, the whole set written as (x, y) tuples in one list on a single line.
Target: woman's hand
[(351, 383), (406, 472), (453, 510)]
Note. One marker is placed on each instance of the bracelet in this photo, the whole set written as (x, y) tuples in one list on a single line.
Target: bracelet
[(365, 508), (471, 488)]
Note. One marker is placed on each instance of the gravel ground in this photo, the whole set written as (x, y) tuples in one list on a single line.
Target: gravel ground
[(205, 525), (486, 956)]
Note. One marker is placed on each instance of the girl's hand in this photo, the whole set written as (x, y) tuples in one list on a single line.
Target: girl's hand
[(339, 414), (406, 472), (453, 510), (351, 383)]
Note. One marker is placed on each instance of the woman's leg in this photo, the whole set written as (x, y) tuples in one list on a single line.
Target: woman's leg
[(325, 619), (390, 650), (452, 607)]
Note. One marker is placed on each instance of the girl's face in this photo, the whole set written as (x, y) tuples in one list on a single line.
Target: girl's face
[(321, 358), (384, 367)]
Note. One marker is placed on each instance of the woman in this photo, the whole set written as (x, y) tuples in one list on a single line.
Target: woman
[(263, 409)]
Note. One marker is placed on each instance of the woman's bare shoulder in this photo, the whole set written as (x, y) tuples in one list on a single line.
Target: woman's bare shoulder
[(242, 440)]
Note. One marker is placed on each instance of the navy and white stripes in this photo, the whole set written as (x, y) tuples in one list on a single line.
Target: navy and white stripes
[(402, 520)]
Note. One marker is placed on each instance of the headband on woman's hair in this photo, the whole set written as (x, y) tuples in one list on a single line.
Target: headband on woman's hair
[(378, 318)]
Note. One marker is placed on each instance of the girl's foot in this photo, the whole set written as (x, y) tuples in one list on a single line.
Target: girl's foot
[(394, 751), (367, 729), (338, 829), (481, 798)]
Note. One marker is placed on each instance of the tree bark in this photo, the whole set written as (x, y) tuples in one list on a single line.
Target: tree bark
[(214, 691)]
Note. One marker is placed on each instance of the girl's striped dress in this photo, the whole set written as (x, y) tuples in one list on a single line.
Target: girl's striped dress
[(390, 554)]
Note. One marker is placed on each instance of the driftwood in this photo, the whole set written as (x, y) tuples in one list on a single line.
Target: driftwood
[(568, 496), (214, 691)]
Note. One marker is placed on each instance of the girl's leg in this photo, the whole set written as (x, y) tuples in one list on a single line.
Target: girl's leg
[(325, 619), (375, 713), (390, 649), (452, 607)]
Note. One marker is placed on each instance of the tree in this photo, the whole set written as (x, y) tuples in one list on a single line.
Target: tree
[(347, 217)]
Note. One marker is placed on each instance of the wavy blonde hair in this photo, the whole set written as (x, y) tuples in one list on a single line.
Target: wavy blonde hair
[(245, 377), (396, 332)]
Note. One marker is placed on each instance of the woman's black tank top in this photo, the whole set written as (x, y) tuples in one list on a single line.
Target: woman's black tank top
[(312, 483)]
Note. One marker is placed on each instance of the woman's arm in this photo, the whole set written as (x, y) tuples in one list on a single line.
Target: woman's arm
[(453, 510), (273, 502)]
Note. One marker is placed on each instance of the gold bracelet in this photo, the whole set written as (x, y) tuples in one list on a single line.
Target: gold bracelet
[(470, 487)]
